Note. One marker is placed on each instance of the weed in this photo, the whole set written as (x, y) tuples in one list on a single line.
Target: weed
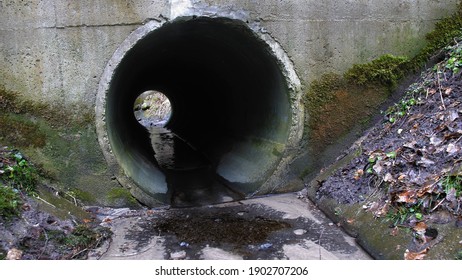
[(10, 202), (401, 213), (451, 182), (459, 255), (21, 174), (454, 62)]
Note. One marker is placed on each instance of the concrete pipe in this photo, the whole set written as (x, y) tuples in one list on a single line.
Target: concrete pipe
[(233, 116)]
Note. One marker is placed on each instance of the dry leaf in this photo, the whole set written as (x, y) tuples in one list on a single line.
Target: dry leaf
[(452, 149), (420, 228), (388, 178), (415, 255), (406, 197), (448, 91), (358, 174)]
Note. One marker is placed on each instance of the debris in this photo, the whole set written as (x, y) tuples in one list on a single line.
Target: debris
[(178, 255), (265, 246), (14, 254), (299, 231), (415, 255)]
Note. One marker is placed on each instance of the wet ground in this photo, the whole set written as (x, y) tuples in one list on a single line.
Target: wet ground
[(273, 227)]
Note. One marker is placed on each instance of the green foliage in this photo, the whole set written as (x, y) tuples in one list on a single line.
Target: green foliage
[(454, 63), (81, 237), (444, 33), (401, 213), (400, 109), (459, 255), (386, 70), (10, 202), (452, 182), (21, 174)]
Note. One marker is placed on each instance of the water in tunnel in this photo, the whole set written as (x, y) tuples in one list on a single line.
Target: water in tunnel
[(230, 111)]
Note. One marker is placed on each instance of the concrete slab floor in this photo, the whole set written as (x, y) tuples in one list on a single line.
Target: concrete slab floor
[(273, 227)]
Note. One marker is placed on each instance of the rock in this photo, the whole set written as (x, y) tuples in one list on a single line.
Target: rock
[(266, 246), (299, 231), (178, 255), (14, 254)]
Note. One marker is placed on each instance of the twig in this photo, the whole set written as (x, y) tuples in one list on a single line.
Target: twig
[(439, 87), (43, 200), (46, 244), (438, 205)]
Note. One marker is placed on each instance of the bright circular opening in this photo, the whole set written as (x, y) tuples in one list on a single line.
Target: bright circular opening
[(152, 108)]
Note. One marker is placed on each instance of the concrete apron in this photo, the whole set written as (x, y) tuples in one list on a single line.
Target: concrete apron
[(284, 226)]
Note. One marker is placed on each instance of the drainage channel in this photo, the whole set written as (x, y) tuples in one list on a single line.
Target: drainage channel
[(229, 121)]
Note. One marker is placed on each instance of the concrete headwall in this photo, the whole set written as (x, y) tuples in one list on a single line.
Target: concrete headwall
[(53, 53)]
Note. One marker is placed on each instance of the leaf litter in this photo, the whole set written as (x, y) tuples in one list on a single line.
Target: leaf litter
[(413, 159)]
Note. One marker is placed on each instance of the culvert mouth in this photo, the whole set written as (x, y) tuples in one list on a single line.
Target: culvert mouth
[(231, 112)]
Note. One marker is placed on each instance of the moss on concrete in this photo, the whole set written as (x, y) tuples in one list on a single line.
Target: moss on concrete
[(121, 196), (444, 33), (387, 71), (62, 143), (337, 104)]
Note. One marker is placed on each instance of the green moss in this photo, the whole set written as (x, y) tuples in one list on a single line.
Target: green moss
[(444, 33), (122, 194), (387, 70), (321, 92), (80, 195), (21, 131), (55, 115)]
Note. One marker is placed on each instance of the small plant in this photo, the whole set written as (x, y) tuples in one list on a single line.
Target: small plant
[(452, 182), (10, 202), (459, 255), (454, 62), (400, 109), (20, 174), (402, 213)]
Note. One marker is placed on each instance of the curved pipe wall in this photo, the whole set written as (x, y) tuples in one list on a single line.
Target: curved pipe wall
[(229, 96)]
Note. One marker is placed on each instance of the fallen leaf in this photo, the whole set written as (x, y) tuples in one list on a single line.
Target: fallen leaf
[(453, 115), (388, 178), (452, 149), (406, 197), (415, 255), (86, 221), (358, 174), (425, 162), (448, 91), (420, 228), (394, 231), (435, 140), (107, 220)]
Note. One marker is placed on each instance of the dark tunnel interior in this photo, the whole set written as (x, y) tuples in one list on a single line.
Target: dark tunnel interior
[(229, 100)]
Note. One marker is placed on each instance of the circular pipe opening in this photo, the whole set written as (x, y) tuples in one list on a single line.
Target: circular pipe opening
[(231, 115), (152, 109)]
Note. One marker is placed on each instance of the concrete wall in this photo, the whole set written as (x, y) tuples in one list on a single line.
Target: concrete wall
[(54, 52)]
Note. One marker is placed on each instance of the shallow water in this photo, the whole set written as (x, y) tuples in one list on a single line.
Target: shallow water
[(191, 178)]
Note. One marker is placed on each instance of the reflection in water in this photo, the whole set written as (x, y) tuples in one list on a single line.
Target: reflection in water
[(191, 178)]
